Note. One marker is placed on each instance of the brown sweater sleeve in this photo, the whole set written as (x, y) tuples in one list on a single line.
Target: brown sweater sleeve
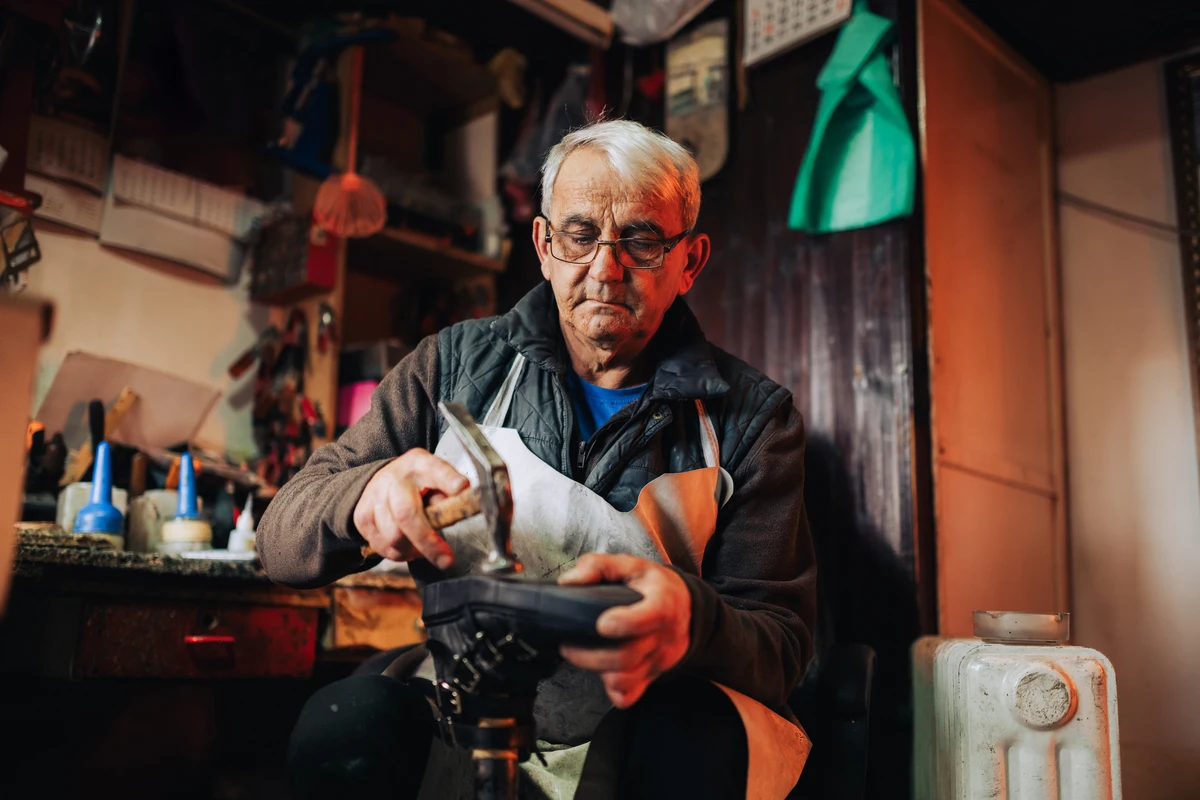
[(307, 536), (753, 611)]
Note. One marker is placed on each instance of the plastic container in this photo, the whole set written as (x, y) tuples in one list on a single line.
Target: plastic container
[(146, 516), (354, 400), (242, 538), (188, 530), (100, 516), (75, 496), (1014, 713)]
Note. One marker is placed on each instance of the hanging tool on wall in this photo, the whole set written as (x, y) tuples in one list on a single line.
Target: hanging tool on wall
[(326, 330), (262, 350), (349, 205), (285, 421), (287, 371), (310, 106)]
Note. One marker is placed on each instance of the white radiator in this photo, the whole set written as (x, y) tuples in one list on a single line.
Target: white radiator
[(1013, 715)]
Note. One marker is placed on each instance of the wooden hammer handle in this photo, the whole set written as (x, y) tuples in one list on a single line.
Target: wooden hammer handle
[(445, 513)]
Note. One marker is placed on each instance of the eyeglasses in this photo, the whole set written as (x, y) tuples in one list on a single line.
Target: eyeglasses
[(633, 252)]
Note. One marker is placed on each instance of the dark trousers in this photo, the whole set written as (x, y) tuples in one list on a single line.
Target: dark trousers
[(370, 736)]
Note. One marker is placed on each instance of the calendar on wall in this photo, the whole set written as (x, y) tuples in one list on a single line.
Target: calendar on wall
[(772, 26)]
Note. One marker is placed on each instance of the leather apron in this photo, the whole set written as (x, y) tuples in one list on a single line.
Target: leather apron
[(556, 520)]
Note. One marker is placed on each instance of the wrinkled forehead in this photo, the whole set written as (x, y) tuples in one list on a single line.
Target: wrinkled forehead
[(588, 188)]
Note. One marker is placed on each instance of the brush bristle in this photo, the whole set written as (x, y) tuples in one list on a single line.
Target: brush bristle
[(350, 206)]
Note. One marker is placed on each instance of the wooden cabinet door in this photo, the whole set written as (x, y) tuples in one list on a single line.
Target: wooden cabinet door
[(994, 323), (25, 323)]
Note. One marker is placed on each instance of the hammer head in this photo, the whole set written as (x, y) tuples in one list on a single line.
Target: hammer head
[(495, 493)]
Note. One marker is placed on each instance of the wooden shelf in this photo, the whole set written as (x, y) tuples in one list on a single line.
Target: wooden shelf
[(429, 76), (399, 253)]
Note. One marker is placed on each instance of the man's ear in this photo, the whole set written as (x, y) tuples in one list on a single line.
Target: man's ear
[(698, 250), (540, 228)]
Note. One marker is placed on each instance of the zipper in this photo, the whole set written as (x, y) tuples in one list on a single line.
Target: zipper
[(585, 448), (659, 419)]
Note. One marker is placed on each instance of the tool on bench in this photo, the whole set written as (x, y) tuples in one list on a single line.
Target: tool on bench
[(101, 424), (76, 494), (494, 636)]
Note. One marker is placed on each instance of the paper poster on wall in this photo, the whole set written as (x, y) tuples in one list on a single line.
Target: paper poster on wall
[(698, 94), (773, 26)]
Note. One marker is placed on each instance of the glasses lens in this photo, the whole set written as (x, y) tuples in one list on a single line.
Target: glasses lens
[(576, 247), (580, 248), (640, 253)]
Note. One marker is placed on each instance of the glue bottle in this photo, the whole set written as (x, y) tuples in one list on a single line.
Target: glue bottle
[(242, 538), (100, 516), (187, 530)]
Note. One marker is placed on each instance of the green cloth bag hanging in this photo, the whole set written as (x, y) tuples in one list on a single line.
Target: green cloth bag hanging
[(860, 167)]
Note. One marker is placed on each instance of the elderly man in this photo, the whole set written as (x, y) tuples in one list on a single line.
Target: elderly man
[(667, 463)]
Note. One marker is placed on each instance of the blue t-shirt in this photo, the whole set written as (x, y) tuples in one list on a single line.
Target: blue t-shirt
[(595, 406)]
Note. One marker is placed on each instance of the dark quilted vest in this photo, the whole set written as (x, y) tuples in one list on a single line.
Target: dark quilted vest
[(658, 433)]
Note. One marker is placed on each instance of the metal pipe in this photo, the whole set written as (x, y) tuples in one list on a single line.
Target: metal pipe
[(495, 774)]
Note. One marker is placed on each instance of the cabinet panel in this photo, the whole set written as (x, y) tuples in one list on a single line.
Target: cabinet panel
[(999, 554), (25, 324), (184, 640), (988, 211), (994, 322)]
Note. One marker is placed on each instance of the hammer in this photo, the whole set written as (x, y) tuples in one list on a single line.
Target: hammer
[(492, 497)]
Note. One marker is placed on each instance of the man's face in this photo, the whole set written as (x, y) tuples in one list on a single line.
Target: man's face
[(605, 303)]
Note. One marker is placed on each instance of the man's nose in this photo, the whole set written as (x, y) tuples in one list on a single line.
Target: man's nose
[(605, 268)]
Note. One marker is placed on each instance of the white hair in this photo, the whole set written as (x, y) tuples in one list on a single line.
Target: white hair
[(646, 161)]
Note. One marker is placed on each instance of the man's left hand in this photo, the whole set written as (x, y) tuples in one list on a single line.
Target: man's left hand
[(655, 629)]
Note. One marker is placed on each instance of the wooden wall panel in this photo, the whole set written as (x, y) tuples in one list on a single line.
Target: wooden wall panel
[(829, 317), (994, 322)]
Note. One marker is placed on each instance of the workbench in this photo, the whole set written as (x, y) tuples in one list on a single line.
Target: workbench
[(143, 675), (79, 611)]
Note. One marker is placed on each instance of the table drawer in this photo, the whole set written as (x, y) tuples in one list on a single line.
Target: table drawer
[(186, 640)]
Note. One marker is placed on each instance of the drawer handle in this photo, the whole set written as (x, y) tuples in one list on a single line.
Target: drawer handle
[(209, 639)]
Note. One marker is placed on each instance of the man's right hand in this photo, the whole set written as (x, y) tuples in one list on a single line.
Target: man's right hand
[(390, 515)]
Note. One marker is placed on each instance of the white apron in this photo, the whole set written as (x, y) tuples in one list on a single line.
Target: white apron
[(556, 520)]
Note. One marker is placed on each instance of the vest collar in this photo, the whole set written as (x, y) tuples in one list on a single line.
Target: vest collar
[(686, 369)]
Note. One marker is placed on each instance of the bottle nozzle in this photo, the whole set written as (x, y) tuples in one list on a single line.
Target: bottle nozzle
[(100, 515)]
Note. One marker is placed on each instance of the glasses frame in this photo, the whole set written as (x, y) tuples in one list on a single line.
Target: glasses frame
[(668, 245)]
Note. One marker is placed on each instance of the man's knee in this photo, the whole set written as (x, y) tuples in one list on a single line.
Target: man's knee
[(684, 737), (690, 710), (360, 736)]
